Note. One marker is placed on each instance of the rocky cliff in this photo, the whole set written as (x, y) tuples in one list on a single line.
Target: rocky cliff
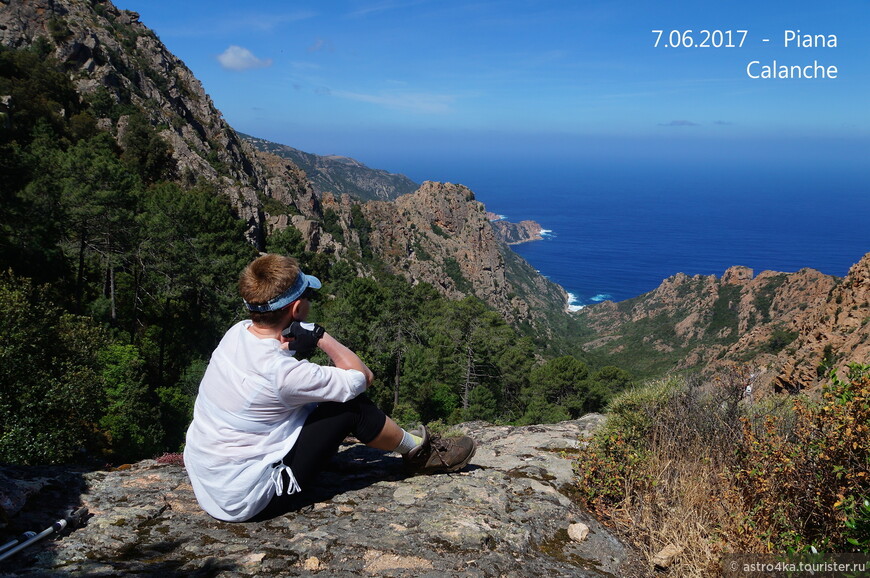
[(119, 63), (441, 233), (515, 233), (790, 328), (509, 513), (830, 336), (113, 57)]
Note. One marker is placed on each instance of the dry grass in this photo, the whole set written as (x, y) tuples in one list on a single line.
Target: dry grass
[(675, 466), (683, 507)]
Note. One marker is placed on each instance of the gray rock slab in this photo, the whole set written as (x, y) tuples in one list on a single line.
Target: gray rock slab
[(507, 514)]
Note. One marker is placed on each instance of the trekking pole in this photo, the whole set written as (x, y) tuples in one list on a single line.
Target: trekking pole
[(75, 517), (56, 527), (21, 538)]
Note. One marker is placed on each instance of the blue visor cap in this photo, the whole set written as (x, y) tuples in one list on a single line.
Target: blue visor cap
[(295, 291)]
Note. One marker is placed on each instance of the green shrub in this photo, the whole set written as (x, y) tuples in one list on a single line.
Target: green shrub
[(608, 470), (51, 390), (454, 271), (698, 464), (857, 522), (805, 487), (613, 465), (635, 412), (332, 224), (724, 313), (132, 416), (779, 339), (439, 231)]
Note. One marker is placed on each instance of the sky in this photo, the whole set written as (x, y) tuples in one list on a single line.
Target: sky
[(418, 86)]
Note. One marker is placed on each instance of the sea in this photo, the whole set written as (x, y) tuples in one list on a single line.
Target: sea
[(612, 234)]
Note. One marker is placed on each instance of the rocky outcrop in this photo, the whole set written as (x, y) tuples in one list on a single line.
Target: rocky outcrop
[(507, 514), (792, 328), (440, 234), (831, 335), (515, 233), (440, 224), (108, 51), (287, 195)]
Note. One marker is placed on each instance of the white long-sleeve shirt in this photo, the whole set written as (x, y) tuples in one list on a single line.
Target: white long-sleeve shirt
[(252, 403)]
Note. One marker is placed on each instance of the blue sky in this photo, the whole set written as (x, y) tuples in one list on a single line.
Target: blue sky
[(417, 85)]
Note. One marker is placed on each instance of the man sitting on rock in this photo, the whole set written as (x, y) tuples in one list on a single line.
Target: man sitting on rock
[(266, 420)]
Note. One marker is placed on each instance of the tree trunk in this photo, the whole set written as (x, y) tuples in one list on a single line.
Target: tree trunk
[(469, 376), (80, 280), (112, 291), (163, 340), (396, 378)]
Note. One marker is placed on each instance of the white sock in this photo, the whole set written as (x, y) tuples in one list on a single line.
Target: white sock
[(408, 443)]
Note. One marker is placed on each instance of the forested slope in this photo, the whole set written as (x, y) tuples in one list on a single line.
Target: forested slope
[(128, 210)]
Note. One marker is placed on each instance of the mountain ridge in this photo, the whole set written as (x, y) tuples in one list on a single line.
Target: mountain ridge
[(120, 66), (790, 329), (119, 63), (340, 174)]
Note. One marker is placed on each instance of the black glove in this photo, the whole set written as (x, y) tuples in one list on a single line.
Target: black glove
[(303, 338)]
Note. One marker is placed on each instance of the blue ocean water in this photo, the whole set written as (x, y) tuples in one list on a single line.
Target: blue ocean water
[(616, 234)]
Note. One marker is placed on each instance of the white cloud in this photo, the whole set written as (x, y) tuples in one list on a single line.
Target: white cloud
[(321, 44), (221, 23), (418, 102), (385, 6), (270, 21), (238, 58)]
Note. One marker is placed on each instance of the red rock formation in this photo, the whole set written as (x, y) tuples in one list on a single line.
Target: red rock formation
[(792, 328)]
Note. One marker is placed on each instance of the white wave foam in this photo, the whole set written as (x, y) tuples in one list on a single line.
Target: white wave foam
[(572, 303), (601, 297), (547, 233)]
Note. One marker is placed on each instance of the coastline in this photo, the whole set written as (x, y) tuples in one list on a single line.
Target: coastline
[(516, 233)]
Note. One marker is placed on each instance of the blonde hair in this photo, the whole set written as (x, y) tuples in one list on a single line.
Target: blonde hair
[(265, 278)]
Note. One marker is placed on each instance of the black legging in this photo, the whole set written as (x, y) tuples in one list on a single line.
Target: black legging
[(323, 432)]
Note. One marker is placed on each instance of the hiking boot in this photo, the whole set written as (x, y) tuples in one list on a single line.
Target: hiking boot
[(439, 455)]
